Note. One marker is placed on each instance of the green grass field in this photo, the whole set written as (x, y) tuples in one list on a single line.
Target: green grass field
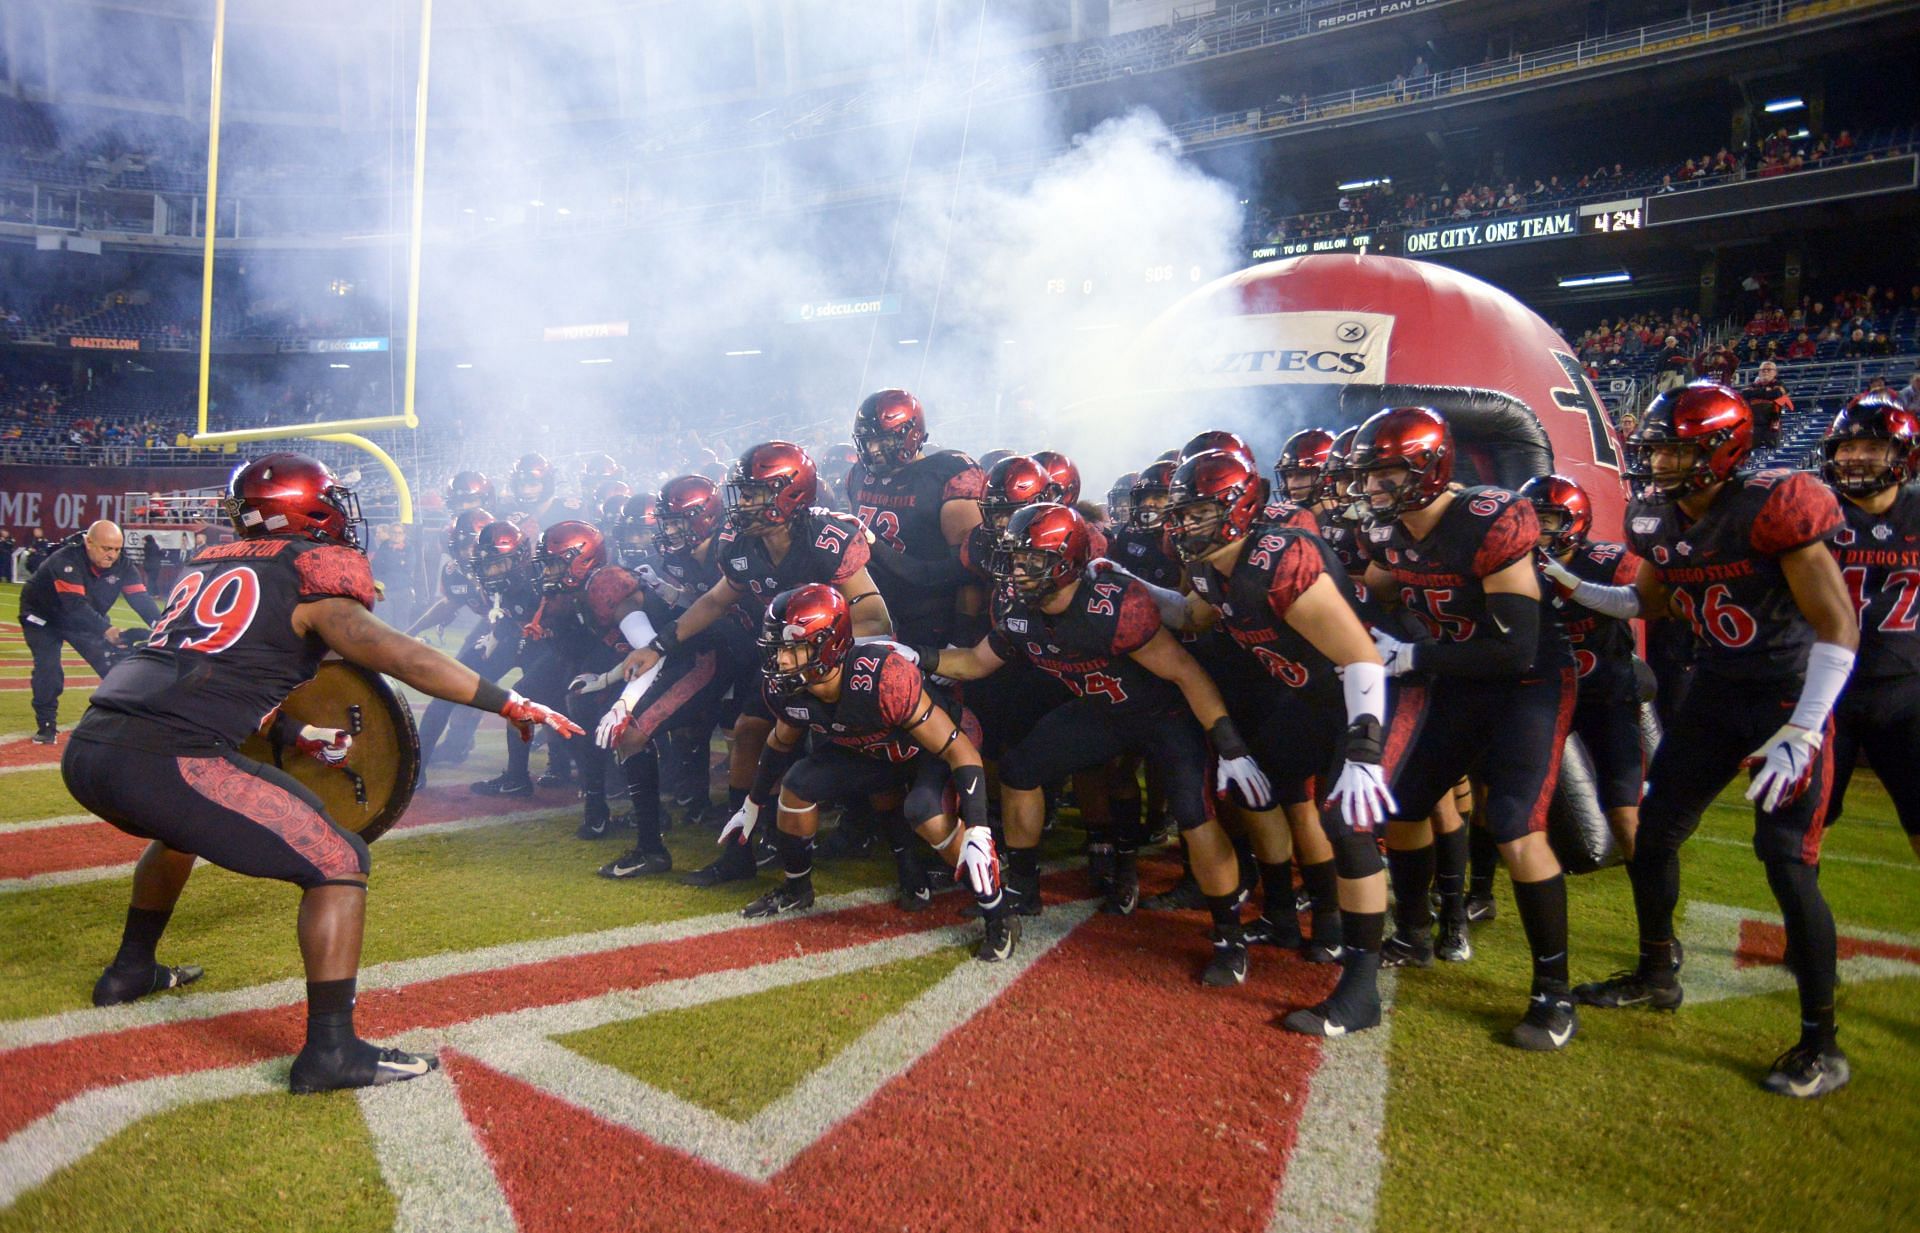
[(1645, 1122)]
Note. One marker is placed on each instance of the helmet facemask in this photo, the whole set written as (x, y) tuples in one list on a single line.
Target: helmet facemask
[(1862, 466)]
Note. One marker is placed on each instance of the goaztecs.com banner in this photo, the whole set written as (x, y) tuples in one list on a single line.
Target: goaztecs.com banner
[(59, 500)]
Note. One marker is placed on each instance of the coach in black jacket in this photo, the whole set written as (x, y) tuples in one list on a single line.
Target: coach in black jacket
[(67, 600)]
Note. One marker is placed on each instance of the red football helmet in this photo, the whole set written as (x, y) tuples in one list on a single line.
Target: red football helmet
[(468, 490), (531, 479), (1219, 439), (991, 457), (501, 552), (774, 483), (889, 429), (1213, 501), (634, 533), (595, 468), (1339, 480), (1301, 470), (607, 489), (1711, 419), (1416, 438), (1120, 499), (612, 510), (292, 494), (569, 553), (1013, 482), (814, 624), (688, 512), (1150, 494), (1046, 546), (1066, 476), (1566, 503), (1871, 417), (464, 531)]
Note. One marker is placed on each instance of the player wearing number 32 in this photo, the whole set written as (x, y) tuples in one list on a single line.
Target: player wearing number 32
[(156, 754), (1137, 691)]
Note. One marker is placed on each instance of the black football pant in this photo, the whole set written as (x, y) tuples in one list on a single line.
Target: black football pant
[(47, 641), (1088, 733), (683, 698), (1880, 719), (585, 708), (1607, 720), (1508, 734), (544, 673), (491, 667)]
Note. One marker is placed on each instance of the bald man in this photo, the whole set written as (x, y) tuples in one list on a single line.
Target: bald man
[(67, 600)]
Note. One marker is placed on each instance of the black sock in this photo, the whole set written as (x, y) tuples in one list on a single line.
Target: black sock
[(1363, 931), (1249, 866), (1811, 946), (643, 791), (1226, 918), (1023, 871), (1276, 890), (1655, 877), (796, 858), (1450, 873), (518, 751), (1323, 888), (1483, 859), (330, 1012), (1543, 915), (1411, 873), (140, 937)]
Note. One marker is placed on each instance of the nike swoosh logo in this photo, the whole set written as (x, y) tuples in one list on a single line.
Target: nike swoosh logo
[(623, 870), (418, 1066), (1803, 1089), (1560, 1038), (1333, 1029)]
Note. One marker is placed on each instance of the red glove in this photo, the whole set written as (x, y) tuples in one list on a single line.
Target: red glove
[(526, 716), (329, 745)]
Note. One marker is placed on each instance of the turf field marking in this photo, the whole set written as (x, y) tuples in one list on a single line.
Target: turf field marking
[(1333, 1176), (1714, 971), (41, 824), (438, 1173), (1878, 862), (79, 1126)]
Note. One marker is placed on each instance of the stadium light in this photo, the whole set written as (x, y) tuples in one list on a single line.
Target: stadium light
[(752, 351), (1792, 102), (602, 360), (1802, 135), (562, 210), (909, 342), (463, 366), (468, 210), (536, 202), (1354, 186), (1595, 280), (339, 366)]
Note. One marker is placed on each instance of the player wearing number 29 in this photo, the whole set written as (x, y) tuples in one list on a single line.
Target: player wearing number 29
[(156, 754), (1743, 559)]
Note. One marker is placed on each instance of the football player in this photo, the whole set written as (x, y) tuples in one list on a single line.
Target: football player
[(532, 484), (468, 490), (1744, 559), (1489, 690), (500, 563), (246, 623)]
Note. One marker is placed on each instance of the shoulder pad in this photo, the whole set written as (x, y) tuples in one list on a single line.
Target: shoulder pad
[(329, 570)]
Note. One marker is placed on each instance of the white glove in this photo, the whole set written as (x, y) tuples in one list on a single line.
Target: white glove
[(1782, 767), (1396, 656), (330, 745), (650, 579), (740, 826), (1363, 797), (1244, 773), (587, 683), (1556, 572), (979, 863), (613, 723), (488, 643)]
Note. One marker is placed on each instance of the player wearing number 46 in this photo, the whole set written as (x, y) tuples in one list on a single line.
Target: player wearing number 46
[(1743, 559)]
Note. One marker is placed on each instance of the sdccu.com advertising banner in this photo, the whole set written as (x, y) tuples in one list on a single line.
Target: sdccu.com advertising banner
[(57, 501)]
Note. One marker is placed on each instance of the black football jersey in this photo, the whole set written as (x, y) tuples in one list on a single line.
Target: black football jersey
[(1602, 646), (902, 510), (1346, 539), (518, 600), (1482, 531), (1089, 646), (1879, 556), (1276, 569), (826, 547), (1724, 570), (879, 691), (459, 588), (224, 653), (1281, 512), (976, 553), (1145, 555)]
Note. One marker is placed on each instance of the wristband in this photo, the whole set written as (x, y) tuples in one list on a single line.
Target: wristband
[(636, 629), (667, 639), (1365, 688), (1365, 742), (489, 697), (1226, 739), (1828, 667), (970, 782)]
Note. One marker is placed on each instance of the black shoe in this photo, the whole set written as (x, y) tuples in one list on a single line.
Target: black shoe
[(1313, 950), (1264, 931), (1548, 1025), (115, 987), (1450, 944), (1228, 967), (46, 734), (735, 864), (1123, 890), (356, 1064), (554, 779), (914, 898), (1333, 1020), (782, 898), (1806, 1071), (1632, 987), (1407, 951), (844, 842), (502, 785), (1480, 909), (1002, 936), (1302, 900), (595, 822), (638, 862), (1183, 896)]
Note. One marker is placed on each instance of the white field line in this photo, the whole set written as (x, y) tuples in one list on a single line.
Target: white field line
[(1712, 934), (432, 1162), (42, 824), (53, 766), (1332, 1181), (1878, 862), (79, 1126)]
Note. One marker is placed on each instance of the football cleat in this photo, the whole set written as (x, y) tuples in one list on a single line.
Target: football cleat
[(1407, 951), (783, 898), (1003, 934), (638, 862), (914, 898), (502, 785), (1331, 1020), (1315, 951), (1548, 1025), (1282, 933), (1479, 909), (1450, 944), (356, 1064), (1806, 1071), (595, 821), (46, 734), (1123, 891), (115, 987), (1303, 900), (553, 779), (734, 864), (1632, 987), (1183, 896), (1228, 967)]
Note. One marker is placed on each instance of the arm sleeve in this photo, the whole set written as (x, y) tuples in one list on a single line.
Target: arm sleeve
[(141, 601), (1503, 647)]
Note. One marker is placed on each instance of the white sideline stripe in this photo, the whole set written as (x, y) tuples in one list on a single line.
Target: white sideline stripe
[(1333, 1177), (41, 824), (439, 1174), (71, 1024), (79, 1126), (521, 1044), (104, 873), (1713, 973), (1912, 866), (53, 766)]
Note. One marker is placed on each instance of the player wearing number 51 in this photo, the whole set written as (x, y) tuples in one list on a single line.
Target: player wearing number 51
[(156, 754)]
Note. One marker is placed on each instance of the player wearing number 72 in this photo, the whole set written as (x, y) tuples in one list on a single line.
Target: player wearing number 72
[(1137, 691)]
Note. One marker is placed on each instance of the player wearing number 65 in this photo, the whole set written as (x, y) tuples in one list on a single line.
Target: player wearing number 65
[(156, 754)]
